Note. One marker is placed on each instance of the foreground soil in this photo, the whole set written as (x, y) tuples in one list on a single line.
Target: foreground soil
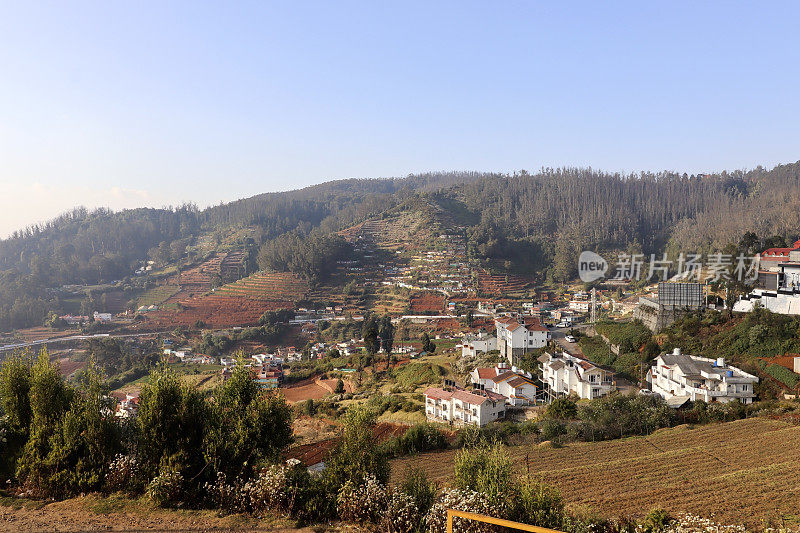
[(94, 513), (743, 472)]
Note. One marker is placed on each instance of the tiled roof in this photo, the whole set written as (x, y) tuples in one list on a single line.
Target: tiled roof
[(486, 373), (438, 393), (469, 397), (519, 381), (504, 376)]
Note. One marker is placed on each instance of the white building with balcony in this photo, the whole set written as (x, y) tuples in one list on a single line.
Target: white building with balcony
[(515, 385), (678, 375), (564, 374), (460, 407), (472, 345), (518, 336)]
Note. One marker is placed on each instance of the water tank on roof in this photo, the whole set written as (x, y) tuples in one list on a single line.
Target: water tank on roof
[(720, 362), (676, 351)]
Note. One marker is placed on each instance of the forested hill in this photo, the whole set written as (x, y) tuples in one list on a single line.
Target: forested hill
[(511, 221)]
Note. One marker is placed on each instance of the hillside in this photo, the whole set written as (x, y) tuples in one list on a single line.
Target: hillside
[(531, 226), (738, 472)]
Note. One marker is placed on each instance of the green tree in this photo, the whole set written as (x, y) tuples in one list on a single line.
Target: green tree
[(357, 454), (427, 344), (562, 408), (386, 333), (247, 427), (15, 386), (369, 331), (171, 421), (339, 386), (73, 434)]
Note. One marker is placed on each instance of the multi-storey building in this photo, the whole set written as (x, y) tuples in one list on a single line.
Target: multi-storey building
[(699, 378), (518, 336), (515, 385), (564, 374), (460, 407)]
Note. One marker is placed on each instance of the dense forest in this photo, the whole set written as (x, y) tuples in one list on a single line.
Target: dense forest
[(538, 219)]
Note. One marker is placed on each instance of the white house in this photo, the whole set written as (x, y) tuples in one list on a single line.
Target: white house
[(678, 375), (514, 385), (471, 345), (103, 317), (518, 336), (459, 407), (563, 374)]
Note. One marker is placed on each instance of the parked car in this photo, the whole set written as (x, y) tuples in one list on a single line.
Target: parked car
[(570, 338), (561, 325)]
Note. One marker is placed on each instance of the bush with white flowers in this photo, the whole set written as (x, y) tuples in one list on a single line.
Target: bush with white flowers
[(362, 503), (461, 500), (123, 474)]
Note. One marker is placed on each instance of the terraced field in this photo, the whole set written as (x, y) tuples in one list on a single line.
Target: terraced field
[(157, 295), (746, 471), (268, 286), (217, 310), (502, 285)]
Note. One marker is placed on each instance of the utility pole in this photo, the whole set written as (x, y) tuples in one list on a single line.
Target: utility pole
[(594, 304)]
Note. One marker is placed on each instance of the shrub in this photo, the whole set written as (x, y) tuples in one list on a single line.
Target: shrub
[(538, 504), (124, 475), (365, 502), (461, 500), (552, 429), (485, 468), (357, 455), (420, 438), (402, 514), (166, 488), (416, 485), (289, 490), (562, 408), (656, 521)]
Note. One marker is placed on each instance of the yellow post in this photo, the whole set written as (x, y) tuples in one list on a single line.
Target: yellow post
[(452, 513)]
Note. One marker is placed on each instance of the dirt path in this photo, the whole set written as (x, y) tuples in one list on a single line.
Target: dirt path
[(94, 513)]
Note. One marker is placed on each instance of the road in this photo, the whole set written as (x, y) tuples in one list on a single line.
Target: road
[(41, 342), (559, 334)]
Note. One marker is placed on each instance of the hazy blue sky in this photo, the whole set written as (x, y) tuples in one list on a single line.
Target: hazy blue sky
[(153, 103)]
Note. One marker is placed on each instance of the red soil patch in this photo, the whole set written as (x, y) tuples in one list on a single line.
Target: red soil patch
[(313, 389), (426, 303), (68, 367), (305, 390), (311, 454)]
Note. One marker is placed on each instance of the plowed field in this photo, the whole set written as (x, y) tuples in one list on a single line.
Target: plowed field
[(741, 472)]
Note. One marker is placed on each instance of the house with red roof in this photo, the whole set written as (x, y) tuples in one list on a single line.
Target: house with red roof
[(771, 258), (459, 407), (518, 336), (515, 385)]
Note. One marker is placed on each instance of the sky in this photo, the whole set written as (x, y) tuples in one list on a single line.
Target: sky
[(125, 104)]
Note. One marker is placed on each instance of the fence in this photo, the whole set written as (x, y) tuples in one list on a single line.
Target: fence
[(452, 513)]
